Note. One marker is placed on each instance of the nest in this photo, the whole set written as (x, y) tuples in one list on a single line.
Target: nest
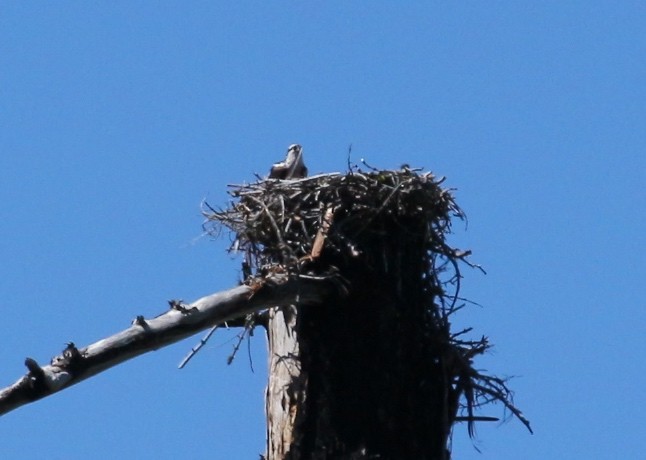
[(383, 227), (277, 221)]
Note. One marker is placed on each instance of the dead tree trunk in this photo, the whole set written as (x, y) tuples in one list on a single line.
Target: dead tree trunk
[(373, 371), (363, 376), (353, 380), (287, 386)]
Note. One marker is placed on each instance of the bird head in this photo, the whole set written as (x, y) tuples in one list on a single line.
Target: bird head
[(295, 148)]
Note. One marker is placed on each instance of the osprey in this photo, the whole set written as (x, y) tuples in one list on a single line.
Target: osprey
[(292, 167)]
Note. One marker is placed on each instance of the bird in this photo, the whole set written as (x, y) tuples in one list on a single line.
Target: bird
[(292, 167)]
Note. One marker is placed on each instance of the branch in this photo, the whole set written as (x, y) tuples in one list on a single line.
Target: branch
[(144, 335), (197, 347)]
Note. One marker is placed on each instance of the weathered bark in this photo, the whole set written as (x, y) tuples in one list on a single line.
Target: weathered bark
[(77, 364), (287, 384)]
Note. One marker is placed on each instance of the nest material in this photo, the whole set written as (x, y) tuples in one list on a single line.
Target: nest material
[(277, 221), (389, 225)]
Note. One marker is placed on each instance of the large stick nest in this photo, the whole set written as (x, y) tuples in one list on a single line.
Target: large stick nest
[(277, 221), (393, 221)]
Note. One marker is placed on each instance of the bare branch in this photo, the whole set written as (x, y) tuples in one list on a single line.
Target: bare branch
[(197, 347), (144, 335)]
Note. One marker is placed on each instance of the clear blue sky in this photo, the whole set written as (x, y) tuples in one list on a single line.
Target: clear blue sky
[(118, 118)]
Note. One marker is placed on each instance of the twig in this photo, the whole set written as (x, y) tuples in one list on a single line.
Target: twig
[(241, 336), (197, 348)]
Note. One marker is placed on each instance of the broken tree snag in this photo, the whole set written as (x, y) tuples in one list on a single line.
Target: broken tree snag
[(375, 371), (275, 287)]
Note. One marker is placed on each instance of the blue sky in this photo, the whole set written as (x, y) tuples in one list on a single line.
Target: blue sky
[(118, 118)]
